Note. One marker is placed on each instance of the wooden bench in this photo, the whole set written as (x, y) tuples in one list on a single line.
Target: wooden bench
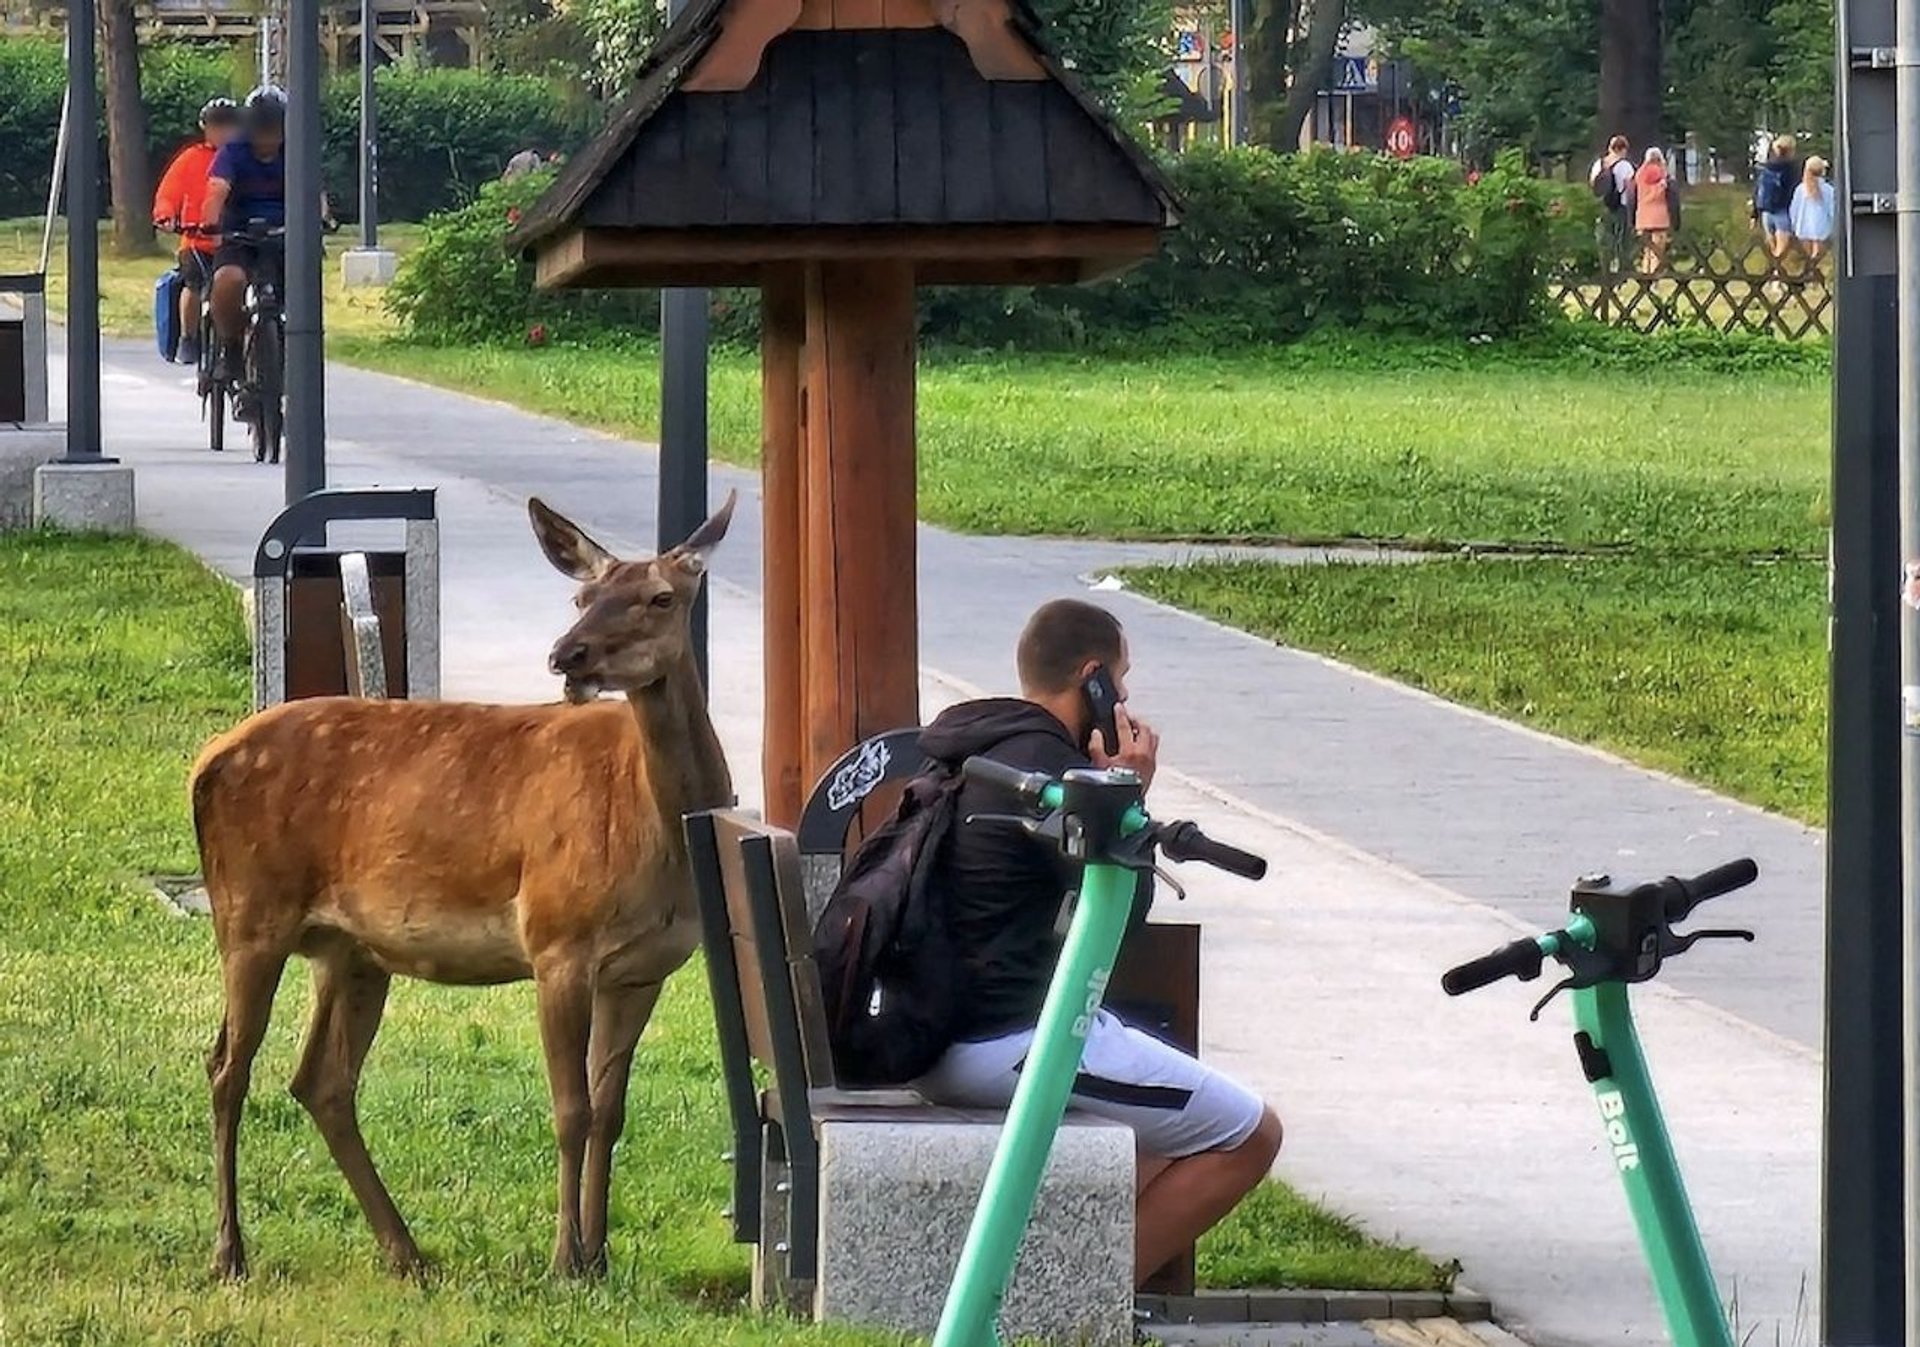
[(857, 1202)]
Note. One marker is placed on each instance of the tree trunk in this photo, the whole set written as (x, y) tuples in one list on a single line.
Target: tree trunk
[(130, 173), (1309, 74), (1631, 80), (1268, 49)]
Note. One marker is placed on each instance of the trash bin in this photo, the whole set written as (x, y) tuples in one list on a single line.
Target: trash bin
[(300, 612), (23, 348)]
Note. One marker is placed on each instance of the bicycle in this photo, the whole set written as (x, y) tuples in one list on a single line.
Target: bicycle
[(213, 393), (1618, 936), (1099, 819), (259, 394)]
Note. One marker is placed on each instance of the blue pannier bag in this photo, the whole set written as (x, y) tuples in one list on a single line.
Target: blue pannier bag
[(166, 314)]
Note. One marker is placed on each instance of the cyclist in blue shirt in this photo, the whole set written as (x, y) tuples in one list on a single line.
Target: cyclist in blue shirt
[(247, 190)]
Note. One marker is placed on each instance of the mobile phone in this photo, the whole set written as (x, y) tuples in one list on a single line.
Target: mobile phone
[(1102, 702)]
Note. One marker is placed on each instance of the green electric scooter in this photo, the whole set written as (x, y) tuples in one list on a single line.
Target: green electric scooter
[(1098, 819), (1620, 935)]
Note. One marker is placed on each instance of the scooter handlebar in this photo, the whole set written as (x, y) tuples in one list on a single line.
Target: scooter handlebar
[(1185, 842), (1687, 894), (1521, 959), (1026, 786)]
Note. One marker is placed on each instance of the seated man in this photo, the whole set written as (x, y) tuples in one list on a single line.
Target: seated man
[(1204, 1141), (178, 205), (247, 182)]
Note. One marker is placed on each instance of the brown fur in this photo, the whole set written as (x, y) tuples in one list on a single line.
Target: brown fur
[(470, 844)]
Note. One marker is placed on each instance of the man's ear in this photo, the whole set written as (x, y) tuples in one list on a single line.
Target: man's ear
[(567, 546)]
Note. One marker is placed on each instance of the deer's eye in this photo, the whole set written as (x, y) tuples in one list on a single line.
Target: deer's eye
[(661, 601)]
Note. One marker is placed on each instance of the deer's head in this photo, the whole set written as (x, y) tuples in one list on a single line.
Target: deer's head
[(633, 625)]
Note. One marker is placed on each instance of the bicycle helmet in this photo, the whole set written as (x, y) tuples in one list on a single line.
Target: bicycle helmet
[(220, 112), (266, 109)]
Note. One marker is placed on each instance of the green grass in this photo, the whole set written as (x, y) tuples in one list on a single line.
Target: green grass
[(117, 659), (1712, 670), (1281, 444)]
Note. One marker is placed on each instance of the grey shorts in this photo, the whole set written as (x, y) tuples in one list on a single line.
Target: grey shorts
[(1176, 1106)]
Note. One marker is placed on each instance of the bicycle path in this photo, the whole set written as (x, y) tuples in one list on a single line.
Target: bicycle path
[(1405, 833)]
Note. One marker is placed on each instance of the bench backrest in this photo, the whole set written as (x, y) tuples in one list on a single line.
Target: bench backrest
[(836, 801), (760, 949)]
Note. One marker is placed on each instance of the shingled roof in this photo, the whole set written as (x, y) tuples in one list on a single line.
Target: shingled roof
[(888, 130)]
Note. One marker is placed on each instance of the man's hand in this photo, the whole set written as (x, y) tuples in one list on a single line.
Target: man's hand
[(1139, 746)]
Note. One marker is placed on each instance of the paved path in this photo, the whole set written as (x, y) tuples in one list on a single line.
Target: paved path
[(1405, 833)]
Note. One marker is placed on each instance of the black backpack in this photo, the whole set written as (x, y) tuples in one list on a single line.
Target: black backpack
[(1606, 186), (1773, 191), (889, 975)]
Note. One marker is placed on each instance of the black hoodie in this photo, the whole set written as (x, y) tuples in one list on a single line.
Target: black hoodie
[(1003, 888)]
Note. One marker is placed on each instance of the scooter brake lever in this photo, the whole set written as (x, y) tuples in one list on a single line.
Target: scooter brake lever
[(1172, 883), (1541, 1004), (1682, 943), (1022, 821)]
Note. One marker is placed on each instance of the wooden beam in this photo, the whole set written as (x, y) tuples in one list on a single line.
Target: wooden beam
[(861, 612), (734, 58), (998, 50), (783, 336)]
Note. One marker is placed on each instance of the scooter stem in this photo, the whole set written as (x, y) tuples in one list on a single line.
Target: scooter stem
[(1039, 1103), (1637, 1138)]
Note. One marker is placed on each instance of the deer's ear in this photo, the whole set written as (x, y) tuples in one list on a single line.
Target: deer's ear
[(570, 550), (691, 555)]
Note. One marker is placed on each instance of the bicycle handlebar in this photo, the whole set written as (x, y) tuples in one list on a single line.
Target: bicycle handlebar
[(1185, 842), (1521, 959)]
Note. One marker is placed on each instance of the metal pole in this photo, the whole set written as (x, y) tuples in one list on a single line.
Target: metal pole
[(1862, 1272), (306, 370), (83, 239), (1907, 270), (683, 424), (59, 175), (369, 224)]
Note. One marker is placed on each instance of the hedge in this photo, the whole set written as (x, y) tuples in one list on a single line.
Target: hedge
[(1269, 248), (442, 132)]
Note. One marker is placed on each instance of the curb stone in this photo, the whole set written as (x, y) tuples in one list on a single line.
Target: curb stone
[(1314, 1307)]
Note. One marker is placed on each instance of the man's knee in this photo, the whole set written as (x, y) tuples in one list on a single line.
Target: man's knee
[(229, 278), (1262, 1147)]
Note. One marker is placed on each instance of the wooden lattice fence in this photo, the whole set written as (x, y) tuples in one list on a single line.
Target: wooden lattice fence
[(1726, 289)]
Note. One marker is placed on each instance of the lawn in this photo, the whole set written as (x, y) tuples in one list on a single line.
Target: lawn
[(1281, 444), (126, 284), (1715, 670), (117, 658)]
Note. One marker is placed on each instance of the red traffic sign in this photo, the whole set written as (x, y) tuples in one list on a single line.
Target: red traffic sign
[(1403, 142)]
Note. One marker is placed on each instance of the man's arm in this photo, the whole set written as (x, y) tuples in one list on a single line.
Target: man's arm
[(171, 194), (214, 207)]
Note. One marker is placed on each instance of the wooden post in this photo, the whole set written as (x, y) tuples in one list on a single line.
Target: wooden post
[(783, 334), (860, 612)]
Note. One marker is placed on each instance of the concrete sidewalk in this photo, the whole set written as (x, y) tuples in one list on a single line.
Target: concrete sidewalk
[(1405, 834)]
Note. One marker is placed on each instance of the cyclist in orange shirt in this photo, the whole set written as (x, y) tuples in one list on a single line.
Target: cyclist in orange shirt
[(177, 207)]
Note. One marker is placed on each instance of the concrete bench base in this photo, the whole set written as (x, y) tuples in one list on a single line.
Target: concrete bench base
[(23, 451), (84, 497), (896, 1199)]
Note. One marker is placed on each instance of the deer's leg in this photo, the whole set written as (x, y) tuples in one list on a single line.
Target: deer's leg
[(620, 1016), (564, 989), (349, 997), (251, 977)]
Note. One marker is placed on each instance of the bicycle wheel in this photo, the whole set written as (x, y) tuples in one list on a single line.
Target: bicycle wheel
[(264, 378), (214, 400)]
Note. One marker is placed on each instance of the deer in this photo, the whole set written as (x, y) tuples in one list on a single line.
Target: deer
[(472, 845)]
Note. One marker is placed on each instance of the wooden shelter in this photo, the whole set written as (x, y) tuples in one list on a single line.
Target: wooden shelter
[(836, 154)]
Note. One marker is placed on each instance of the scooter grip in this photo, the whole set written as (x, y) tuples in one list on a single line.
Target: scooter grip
[(1721, 879), (1521, 959), (1185, 842), (1021, 784)]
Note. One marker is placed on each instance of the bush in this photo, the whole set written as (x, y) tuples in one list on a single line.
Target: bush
[(461, 285), (1272, 247), (442, 132), (1269, 249)]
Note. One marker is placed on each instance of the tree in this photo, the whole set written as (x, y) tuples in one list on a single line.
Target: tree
[(1308, 75), (1632, 85), (1117, 48), (130, 173)]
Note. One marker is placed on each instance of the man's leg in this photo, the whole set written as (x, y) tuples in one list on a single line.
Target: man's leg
[(1188, 1197), (229, 315), (192, 277)]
